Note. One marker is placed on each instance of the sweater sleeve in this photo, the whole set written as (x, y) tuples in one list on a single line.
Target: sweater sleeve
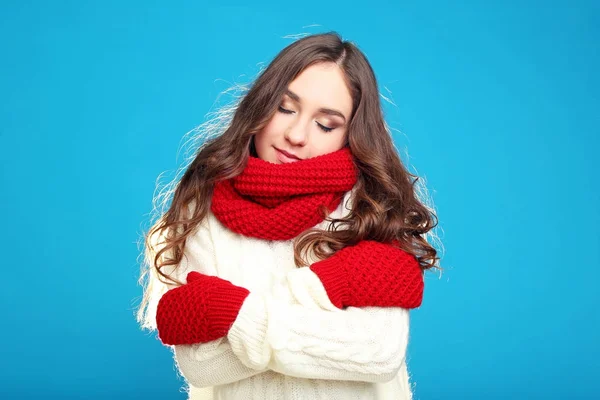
[(212, 363), (308, 337)]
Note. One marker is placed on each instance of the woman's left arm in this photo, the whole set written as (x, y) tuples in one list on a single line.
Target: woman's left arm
[(309, 337)]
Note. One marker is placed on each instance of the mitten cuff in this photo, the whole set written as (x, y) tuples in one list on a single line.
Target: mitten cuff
[(333, 278), (226, 301)]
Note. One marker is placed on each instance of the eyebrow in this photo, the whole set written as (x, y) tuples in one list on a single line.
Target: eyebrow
[(329, 111)]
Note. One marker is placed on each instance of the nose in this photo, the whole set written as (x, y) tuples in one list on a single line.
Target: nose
[(297, 133)]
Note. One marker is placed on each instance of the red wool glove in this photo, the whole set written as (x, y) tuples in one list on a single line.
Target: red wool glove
[(371, 274), (200, 311)]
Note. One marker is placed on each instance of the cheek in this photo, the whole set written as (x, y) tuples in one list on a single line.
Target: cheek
[(276, 124), (329, 143), (263, 139), (270, 130)]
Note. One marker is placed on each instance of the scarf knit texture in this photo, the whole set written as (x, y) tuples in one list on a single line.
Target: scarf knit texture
[(279, 202)]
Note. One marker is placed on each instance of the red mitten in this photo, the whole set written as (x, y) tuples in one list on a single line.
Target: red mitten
[(371, 274), (200, 311)]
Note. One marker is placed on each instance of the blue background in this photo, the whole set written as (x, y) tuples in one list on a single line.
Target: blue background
[(497, 106)]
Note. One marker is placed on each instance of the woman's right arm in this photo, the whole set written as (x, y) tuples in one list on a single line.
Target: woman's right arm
[(203, 364)]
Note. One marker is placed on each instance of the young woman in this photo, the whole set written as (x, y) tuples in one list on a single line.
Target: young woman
[(294, 245)]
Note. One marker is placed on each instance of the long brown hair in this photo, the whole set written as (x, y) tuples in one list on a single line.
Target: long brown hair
[(386, 204)]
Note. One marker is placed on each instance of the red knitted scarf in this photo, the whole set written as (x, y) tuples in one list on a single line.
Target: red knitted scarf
[(280, 201)]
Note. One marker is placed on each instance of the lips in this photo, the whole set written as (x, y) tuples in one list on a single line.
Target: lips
[(286, 157)]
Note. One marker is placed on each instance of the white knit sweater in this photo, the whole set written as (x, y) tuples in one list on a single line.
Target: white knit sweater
[(288, 341)]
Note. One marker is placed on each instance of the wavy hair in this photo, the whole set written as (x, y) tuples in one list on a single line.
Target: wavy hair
[(386, 204)]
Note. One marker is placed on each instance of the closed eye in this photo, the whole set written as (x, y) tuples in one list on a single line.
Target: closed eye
[(285, 111), (325, 128), (322, 127)]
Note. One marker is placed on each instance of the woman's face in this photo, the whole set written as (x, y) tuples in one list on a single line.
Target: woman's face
[(312, 118)]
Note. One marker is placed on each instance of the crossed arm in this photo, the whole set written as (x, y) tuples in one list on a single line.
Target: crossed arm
[(295, 330)]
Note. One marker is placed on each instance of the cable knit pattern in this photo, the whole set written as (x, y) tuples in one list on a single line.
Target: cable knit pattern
[(256, 202), (354, 344), (371, 274)]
